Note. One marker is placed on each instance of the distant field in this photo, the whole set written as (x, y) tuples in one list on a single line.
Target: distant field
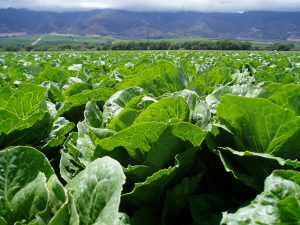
[(58, 42), (52, 40)]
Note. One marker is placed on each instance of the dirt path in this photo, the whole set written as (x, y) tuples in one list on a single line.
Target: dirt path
[(37, 41)]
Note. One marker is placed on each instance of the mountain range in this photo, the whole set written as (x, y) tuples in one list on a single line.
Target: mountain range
[(254, 25)]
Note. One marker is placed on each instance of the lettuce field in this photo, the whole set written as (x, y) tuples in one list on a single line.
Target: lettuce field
[(144, 138)]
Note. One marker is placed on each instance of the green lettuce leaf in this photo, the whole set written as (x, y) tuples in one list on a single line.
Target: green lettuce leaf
[(247, 90), (259, 125), (165, 110), (73, 106), (70, 163), (117, 102), (131, 111), (57, 211), (24, 117), (277, 204), (61, 127), (23, 175), (150, 143), (287, 96), (206, 209), (30, 200), (92, 115), (76, 88), (137, 140), (97, 192), (252, 168), (24, 107), (177, 199), (150, 191)]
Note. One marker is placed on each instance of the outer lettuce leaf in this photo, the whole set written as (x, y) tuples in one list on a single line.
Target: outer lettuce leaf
[(73, 106), (259, 125), (152, 143), (5, 94), (23, 115), (165, 110), (97, 192), (60, 207), (131, 111), (54, 74), (24, 107), (61, 127), (201, 115), (137, 140), (79, 147), (209, 80), (124, 119), (138, 173), (31, 200), (117, 102), (54, 92), (151, 190), (206, 209), (23, 190), (199, 111), (247, 90), (26, 100), (70, 163), (189, 132), (34, 135), (177, 199), (252, 168), (277, 204), (92, 115), (157, 77), (189, 96), (287, 96), (76, 88), (145, 212)]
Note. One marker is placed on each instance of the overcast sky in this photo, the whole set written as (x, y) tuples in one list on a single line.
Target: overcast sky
[(156, 5)]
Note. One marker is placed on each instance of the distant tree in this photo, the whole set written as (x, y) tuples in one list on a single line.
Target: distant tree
[(175, 46), (142, 45), (281, 47), (187, 45), (29, 48), (106, 47), (163, 45), (207, 45), (131, 45), (65, 47), (226, 44), (245, 45), (90, 46), (12, 48), (119, 46), (285, 47)]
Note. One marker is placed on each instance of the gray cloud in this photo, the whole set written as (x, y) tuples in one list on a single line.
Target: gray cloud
[(156, 5)]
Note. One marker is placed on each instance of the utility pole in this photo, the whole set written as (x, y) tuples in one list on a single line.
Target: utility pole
[(148, 43)]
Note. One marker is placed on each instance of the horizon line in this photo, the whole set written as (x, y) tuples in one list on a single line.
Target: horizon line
[(63, 10)]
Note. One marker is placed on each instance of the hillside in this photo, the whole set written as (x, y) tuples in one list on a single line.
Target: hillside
[(258, 25)]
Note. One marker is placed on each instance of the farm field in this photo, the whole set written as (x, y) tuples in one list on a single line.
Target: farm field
[(150, 137), (51, 39)]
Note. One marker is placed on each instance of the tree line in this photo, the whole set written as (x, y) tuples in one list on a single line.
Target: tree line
[(223, 44)]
